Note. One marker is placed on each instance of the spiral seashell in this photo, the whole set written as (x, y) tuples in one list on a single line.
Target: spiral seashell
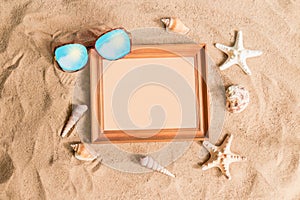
[(150, 163), (237, 98), (81, 153), (77, 113), (173, 24)]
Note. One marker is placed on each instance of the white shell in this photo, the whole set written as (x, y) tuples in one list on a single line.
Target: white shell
[(173, 24), (150, 163), (81, 153), (237, 98), (77, 113)]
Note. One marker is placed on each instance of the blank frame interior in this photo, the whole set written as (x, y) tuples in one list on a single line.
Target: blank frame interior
[(155, 93)]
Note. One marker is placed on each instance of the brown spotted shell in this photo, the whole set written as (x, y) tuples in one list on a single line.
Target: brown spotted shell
[(237, 98), (175, 25), (81, 153)]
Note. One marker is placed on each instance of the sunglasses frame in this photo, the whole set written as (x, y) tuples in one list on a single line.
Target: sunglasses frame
[(88, 47)]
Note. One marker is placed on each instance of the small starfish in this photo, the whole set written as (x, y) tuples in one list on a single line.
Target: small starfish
[(221, 156), (237, 54)]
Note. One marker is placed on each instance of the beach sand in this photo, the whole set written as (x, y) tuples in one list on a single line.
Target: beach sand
[(35, 99)]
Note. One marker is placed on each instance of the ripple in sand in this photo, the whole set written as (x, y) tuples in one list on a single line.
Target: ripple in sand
[(6, 167)]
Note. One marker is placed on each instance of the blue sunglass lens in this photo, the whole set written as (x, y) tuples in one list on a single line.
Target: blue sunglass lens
[(71, 57), (114, 44)]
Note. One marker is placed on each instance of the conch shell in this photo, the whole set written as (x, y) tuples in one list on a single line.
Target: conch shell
[(77, 113), (81, 153), (150, 163), (237, 98), (173, 24)]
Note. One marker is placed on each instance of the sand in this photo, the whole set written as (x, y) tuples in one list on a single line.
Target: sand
[(35, 98)]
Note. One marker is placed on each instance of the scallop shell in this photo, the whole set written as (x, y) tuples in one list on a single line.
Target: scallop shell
[(173, 24), (81, 153), (237, 98), (77, 113), (150, 163)]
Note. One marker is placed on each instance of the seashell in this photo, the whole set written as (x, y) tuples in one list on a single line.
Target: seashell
[(77, 113), (173, 24), (237, 98), (150, 163), (81, 153)]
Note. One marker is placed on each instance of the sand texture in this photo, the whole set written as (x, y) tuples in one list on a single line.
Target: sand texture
[(35, 99)]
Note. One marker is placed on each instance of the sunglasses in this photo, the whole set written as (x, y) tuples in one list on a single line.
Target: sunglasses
[(111, 45)]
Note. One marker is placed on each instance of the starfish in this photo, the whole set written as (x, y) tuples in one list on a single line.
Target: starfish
[(221, 156), (237, 54)]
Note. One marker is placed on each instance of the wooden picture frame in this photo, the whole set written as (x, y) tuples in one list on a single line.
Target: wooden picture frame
[(99, 133)]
